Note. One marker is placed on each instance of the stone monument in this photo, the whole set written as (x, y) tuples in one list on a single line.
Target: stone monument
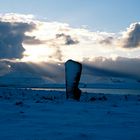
[(73, 71)]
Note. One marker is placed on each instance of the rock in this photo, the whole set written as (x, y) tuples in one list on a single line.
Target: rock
[(19, 103), (73, 71), (93, 99)]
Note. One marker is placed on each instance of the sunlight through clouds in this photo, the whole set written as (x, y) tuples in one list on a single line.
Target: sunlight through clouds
[(54, 41), (40, 48), (37, 53)]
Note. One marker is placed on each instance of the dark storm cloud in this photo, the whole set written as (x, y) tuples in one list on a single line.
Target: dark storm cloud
[(12, 35), (68, 39), (133, 36), (96, 71), (121, 67)]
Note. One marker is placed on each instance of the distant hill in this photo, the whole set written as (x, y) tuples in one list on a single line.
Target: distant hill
[(17, 78)]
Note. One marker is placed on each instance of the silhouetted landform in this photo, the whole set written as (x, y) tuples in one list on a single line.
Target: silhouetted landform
[(73, 71)]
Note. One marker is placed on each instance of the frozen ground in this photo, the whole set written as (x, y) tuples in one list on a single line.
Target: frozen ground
[(46, 115)]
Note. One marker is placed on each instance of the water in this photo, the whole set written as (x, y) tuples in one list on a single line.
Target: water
[(112, 91), (88, 90), (97, 90)]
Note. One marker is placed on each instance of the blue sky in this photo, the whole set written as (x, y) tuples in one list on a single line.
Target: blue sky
[(102, 15)]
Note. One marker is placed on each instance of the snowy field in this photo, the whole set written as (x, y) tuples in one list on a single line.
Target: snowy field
[(47, 115)]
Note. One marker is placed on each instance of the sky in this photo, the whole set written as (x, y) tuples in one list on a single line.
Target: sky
[(103, 35), (103, 15)]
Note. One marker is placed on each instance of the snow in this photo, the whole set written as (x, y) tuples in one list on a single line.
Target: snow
[(27, 114)]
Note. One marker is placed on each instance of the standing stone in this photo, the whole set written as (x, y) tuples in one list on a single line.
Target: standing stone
[(73, 73)]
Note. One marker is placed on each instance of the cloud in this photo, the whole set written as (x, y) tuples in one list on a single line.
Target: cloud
[(68, 39), (32, 40), (107, 40), (24, 35), (46, 44), (121, 67), (58, 54), (12, 35), (131, 37)]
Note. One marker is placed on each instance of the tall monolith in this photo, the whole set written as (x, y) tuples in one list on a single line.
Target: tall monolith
[(73, 71)]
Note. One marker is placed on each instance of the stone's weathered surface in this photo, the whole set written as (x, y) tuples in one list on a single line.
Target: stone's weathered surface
[(73, 71)]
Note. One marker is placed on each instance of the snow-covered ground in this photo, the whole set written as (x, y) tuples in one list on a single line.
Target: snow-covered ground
[(47, 115)]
